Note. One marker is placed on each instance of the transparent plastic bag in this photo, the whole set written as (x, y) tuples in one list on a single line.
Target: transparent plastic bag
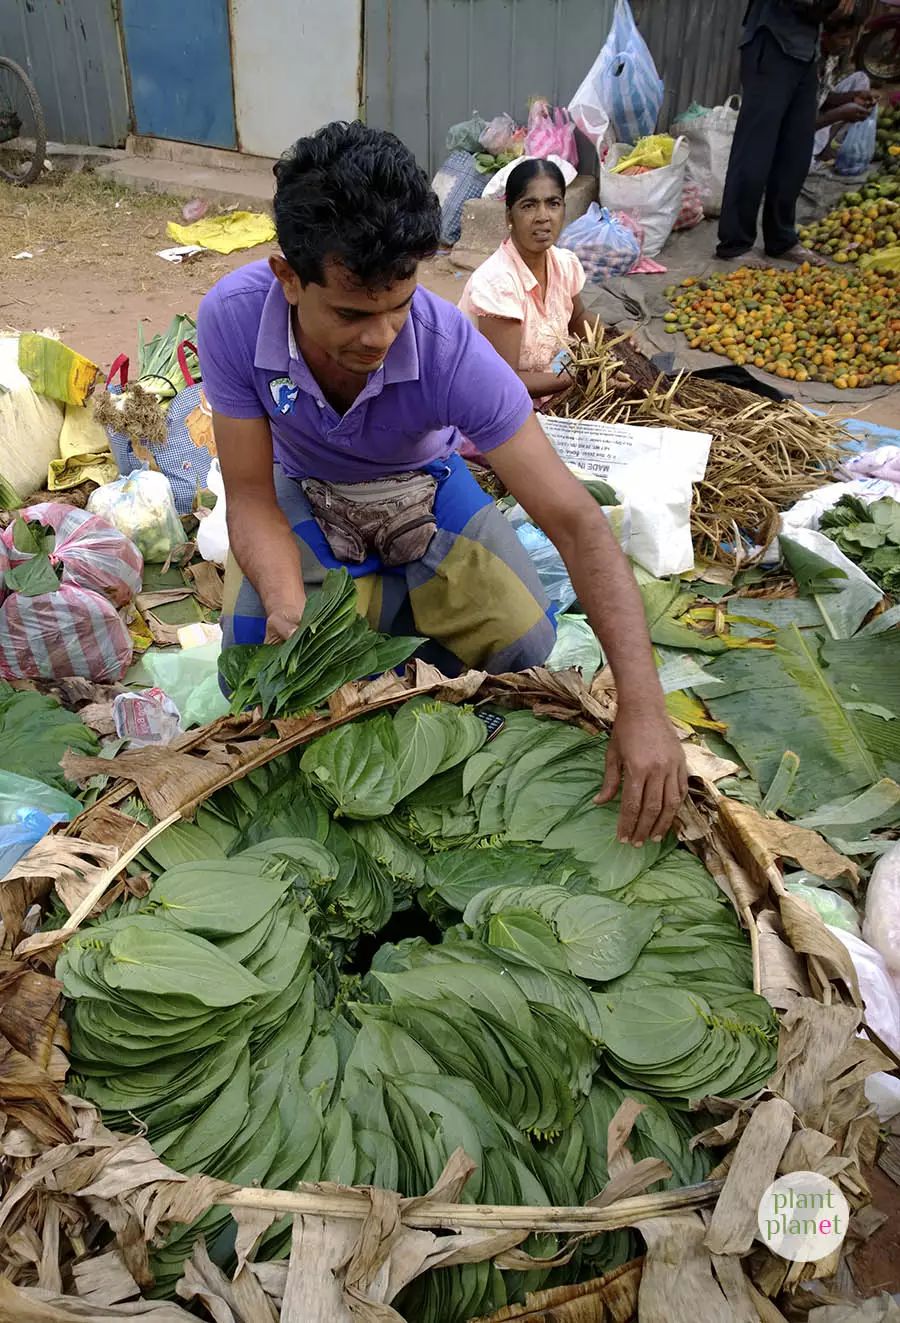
[(141, 506), (857, 151), (22, 794), (881, 926), (545, 558), (576, 645), (92, 553), (466, 136), (882, 1014), (604, 246), (831, 908), (499, 135)]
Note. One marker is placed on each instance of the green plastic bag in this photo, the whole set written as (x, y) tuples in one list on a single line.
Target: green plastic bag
[(22, 792)]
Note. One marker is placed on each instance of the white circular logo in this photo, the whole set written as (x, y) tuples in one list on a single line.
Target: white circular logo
[(803, 1217)]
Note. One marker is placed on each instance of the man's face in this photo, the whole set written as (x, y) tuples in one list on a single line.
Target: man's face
[(352, 323)]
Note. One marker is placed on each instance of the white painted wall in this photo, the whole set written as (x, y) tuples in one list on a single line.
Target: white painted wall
[(296, 66)]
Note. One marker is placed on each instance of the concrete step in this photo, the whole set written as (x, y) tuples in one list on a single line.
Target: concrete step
[(191, 153), (249, 187)]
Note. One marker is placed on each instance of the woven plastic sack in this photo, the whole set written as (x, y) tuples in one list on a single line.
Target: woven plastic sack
[(623, 91), (604, 246), (70, 632), (456, 183), (180, 458), (141, 507), (466, 136), (551, 133), (92, 553), (856, 152), (691, 213), (653, 198), (711, 135)]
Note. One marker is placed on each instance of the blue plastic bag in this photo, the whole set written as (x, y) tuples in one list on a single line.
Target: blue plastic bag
[(456, 183), (18, 837), (623, 90), (857, 151), (604, 246)]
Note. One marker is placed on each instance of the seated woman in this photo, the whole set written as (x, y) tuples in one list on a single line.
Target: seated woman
[(526, 298)]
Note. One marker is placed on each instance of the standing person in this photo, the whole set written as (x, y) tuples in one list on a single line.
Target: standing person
[(526, 298), (773, 142), (339, 391)]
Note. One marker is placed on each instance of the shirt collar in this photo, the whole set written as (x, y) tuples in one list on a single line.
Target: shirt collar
[(275, 351), (515, 259)]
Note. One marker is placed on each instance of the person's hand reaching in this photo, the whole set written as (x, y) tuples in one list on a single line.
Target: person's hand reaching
[(645, 759), (281, 623)]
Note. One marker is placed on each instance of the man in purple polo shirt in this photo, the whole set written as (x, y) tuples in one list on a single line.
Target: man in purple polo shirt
[(340, 393)]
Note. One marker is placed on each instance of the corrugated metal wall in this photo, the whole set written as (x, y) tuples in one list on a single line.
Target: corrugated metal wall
[(71, 51), (429, 63), (695, 46)]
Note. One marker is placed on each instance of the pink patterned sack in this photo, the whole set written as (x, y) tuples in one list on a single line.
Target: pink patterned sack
[(70, 632), (551, 133), (92, 553)]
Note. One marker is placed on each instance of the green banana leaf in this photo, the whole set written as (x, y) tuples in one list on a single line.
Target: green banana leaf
[(782, 700)]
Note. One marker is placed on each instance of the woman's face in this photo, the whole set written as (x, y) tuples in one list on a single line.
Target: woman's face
[(536, 219)]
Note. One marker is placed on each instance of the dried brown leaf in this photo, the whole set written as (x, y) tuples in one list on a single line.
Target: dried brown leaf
[(753, 1168), (760, 842)]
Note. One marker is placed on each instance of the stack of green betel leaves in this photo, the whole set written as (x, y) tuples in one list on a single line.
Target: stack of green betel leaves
[(406, 939)]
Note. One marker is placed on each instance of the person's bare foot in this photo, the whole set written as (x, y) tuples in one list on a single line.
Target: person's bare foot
[(798, 255)]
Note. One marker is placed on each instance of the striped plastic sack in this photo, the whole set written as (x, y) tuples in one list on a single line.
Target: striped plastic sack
[(89, 551), (622, 95), (456, 183), (70, 632), (180, 458)]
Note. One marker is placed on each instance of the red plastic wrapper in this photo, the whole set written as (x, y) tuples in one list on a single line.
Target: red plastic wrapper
[(73, 631), (93, 554)]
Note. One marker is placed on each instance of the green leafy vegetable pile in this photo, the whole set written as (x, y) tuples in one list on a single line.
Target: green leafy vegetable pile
[(35, 732), (331, 646), (404, 941), (870, 536)]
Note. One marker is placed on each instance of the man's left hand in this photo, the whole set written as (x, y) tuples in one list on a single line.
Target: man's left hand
[(645, 759)]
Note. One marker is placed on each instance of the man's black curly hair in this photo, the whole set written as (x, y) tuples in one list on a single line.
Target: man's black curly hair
[(355, 194)]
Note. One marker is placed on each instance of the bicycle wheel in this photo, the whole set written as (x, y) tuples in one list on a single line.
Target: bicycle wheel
[(23, 137)]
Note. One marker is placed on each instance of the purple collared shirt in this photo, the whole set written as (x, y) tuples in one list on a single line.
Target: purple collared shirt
[(440, 381)]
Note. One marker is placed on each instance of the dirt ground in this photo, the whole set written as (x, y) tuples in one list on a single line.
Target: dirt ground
[(94, 274)]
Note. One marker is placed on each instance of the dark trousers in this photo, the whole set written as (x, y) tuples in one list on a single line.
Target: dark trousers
[(772, 150)]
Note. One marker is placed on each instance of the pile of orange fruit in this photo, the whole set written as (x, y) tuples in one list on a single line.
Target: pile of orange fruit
[(809, 324)]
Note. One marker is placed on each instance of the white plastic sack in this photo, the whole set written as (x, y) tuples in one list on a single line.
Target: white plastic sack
[(496, 185), (807, 513), (710, 137), (882, 1014), (652, 470), (653, 198), (881, 926), (212, 535), (30, 424), (623, 91)]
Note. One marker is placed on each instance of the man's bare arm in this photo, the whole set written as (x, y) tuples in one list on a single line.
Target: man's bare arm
[(645, 757), (260, 536)]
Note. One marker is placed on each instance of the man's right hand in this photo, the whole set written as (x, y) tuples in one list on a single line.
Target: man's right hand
[(281, 623)]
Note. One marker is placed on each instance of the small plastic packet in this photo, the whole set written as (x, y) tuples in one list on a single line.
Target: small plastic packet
[(141, 506), (831, 907), (147, 717)]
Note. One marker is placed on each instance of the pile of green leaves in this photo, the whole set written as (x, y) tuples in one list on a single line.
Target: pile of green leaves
[(37, 575), (870, 536), (35, 732), (158, 368), (331, 646), (404, 941)]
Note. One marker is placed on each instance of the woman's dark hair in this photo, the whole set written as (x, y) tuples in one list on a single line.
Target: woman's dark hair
[(518, 179), (354, 194)]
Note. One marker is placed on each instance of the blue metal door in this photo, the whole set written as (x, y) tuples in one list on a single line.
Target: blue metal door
[(179, 65)]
